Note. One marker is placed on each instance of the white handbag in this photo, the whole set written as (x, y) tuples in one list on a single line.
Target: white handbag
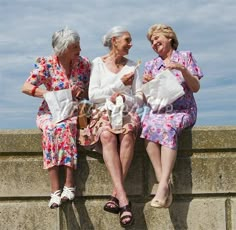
[(163, 90)]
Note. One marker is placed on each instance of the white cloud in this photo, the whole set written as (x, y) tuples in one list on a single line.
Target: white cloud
[(204, 27)]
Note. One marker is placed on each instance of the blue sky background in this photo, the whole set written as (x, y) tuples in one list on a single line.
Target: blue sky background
[(205, 27)]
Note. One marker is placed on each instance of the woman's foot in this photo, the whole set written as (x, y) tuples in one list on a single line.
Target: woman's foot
[(112, 205), (126, 216), (68, 194), (55, 200), (163, 201)]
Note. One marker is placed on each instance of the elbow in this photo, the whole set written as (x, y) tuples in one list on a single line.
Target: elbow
[(196, 88), (23, 89)]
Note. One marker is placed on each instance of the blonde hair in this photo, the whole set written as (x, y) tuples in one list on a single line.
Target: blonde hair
[(166, 30)]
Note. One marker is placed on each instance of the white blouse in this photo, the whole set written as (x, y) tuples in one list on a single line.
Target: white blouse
[(103, 83)]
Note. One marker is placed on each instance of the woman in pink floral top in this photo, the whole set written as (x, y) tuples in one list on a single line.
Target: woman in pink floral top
[(161, 129), (63, 70)]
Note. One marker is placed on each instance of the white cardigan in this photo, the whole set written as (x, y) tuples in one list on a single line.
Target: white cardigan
[(103, 83)]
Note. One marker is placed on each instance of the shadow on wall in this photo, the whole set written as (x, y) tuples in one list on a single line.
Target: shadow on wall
[(182, 183)]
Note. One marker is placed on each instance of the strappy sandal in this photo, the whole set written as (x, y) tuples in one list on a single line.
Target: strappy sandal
[(55, 200), (112, 205), (68, 194), (126, 208)]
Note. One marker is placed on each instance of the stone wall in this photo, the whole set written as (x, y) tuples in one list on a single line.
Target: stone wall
[(204, 186)]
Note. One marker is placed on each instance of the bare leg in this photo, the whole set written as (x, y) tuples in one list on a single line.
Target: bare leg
[(69, 177), (154, 153), (54, 178), (168, 158), (126, 154), (113, 164)]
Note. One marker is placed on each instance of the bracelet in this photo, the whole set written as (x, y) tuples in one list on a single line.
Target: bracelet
[(33, 90)]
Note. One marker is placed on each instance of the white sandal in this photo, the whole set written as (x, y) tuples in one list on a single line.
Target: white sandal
[(55, 200), (68, 193)]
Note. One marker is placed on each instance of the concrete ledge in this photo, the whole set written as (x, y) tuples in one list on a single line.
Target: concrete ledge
[(203, 178)]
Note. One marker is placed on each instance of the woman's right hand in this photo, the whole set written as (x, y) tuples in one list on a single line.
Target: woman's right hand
[(147, 78)]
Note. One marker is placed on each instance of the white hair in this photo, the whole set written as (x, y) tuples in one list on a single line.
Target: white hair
[(63, 38), (115, 31)]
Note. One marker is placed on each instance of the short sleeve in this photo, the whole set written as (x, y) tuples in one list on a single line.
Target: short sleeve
[(39, 73), (192, 65)]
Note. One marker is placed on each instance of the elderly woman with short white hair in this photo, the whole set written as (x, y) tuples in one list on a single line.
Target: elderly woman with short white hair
[(65, 69)]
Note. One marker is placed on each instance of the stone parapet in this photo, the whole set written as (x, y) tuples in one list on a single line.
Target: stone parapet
[(204, 186)]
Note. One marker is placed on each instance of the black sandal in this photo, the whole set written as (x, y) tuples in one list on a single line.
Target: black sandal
[(112, 205), (126, 208)]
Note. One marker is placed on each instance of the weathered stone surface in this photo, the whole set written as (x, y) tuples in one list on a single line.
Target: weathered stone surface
[(204, 186), (195, 214), (20, 141), (200, 174), (27, 215), (23, 176), (232, 213)]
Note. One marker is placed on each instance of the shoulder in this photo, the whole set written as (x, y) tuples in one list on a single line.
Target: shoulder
[(84, 60), (182, 53), (43, 60), (44, 63), (97, 60)]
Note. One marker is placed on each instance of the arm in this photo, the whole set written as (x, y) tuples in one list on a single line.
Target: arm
[(33, 90), (190, 71), (31, 85)]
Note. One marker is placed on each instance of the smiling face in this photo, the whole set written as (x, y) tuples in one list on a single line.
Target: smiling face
[(161, 44), (122, 44)]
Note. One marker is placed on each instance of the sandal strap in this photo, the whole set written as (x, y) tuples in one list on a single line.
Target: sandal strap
[(114, 200), (68, 192), (126, 216), (126, 208), (55, 198)]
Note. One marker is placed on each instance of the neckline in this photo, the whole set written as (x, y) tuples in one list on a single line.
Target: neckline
[(104, 64)]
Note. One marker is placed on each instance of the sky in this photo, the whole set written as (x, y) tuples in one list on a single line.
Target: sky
[(204, 27)]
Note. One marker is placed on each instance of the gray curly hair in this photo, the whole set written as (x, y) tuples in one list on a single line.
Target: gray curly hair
[(63, 38)]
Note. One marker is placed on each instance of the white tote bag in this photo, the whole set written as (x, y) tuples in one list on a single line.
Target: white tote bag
[(60, 103), (163, 90)]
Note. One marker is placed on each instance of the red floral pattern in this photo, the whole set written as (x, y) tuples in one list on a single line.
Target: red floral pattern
[(58, 140)]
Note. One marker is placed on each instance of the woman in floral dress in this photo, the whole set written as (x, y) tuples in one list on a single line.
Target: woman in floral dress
[(65, 69), (161, 129)]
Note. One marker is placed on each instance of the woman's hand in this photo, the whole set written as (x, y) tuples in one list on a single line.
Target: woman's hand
[(77, 92), (114, 96), (191, 80), (128, 78), (147, 78)]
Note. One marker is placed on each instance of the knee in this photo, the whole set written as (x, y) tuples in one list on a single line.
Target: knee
[(107, 137), (128, 139)]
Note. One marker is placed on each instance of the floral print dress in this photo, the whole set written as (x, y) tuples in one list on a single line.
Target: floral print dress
[(58, 139), (164, 127)]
